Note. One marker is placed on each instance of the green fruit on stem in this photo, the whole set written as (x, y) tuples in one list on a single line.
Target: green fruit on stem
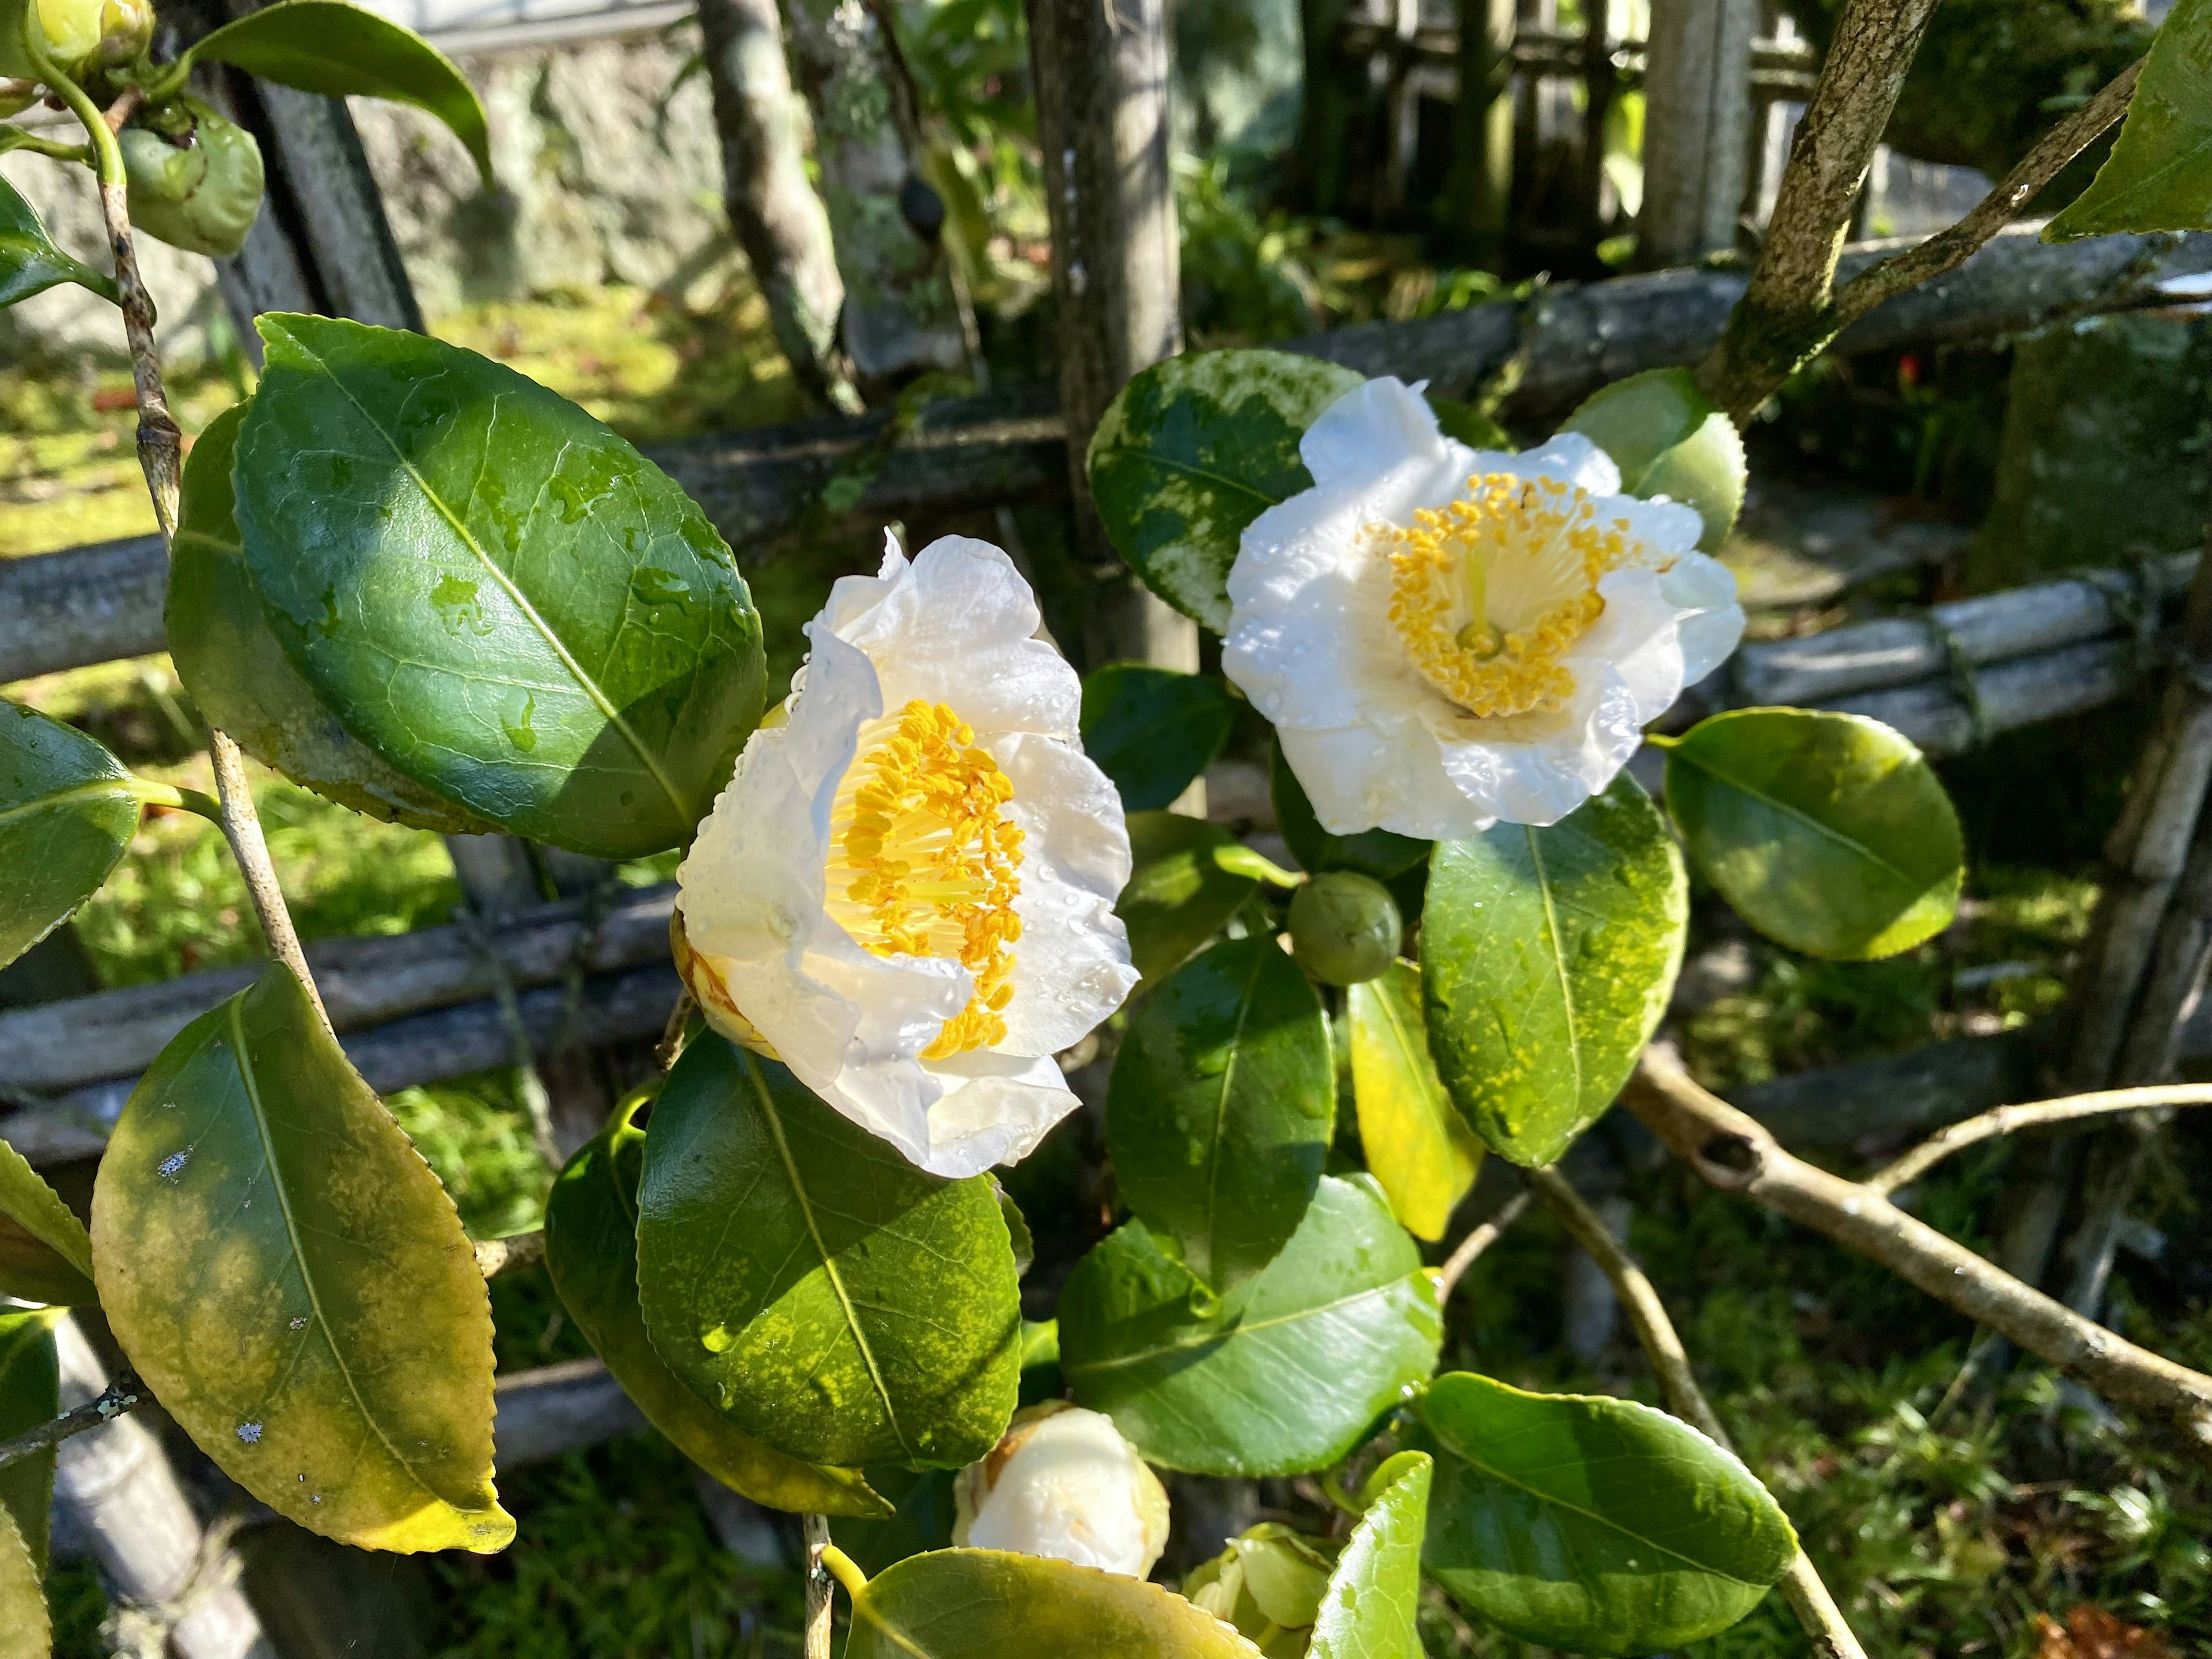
[(1344, 929), (80, 36), (201, 192)]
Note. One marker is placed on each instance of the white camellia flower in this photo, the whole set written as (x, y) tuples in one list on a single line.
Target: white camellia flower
[(906, 893), (1446, 637), (1063, 1483)]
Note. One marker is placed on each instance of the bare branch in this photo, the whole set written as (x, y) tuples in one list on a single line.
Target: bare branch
[(1456, 1264), (516, 1251), (1736, 1153), (2010, 1120), (1816, 1610), (123, 1392), (818, 1602)]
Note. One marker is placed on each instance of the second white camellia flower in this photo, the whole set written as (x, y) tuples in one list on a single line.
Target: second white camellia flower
[(1446, 637), (906, 893), (1063, 1483)]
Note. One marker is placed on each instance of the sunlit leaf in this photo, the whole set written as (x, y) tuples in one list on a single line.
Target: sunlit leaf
[(24, 1632), (1153, 730), (1416, 1144), (287, 1274), (68, 810), (1668, 438), (1371, 1608), (45, 1254), (30, 1395), (2159, 176), (1179, 893), (30, 261)]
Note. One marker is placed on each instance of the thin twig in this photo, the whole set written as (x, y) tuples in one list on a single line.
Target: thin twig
[(665, 1051), (2010, 1120), (495, 1256), (818, 1602), (522, 1056), (1456, 1264), (1734, 1152), (1801, 1586), (123, 1391)]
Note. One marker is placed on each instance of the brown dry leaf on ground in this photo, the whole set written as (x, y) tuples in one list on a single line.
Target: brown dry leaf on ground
[(2093, 1633)]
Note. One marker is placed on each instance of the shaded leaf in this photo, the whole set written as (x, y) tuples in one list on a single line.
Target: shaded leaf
[(68, 810), (1373, 1597), (864, 1312), (238, 677), (1467, 424), (1286, 1373), (922, 1520), (1221, 1106), (344, 50), (1381, 854), (1668, 438), (496, 594), (1596, 1525), (30, 1395), (1828, 833), (590, 1251), (1416, 1144), (990, 1604), (1191, 450), (1153, 730), (25, 1631), (1179, 894), (2159, 176), (45, 1254), (30, 261), (1546, 959), (287, 1274)]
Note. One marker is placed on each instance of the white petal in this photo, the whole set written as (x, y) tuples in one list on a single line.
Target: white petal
[(1362, 778), (995, 1109), (1570, 457), (1370, 430), (1708, 616), (1668, 527)]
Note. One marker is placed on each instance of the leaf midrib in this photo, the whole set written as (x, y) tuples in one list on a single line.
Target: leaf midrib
[(1798, 815), (1225, 1333), (69, 797), (1156, 458), (1221, 1111), (1559, 958)]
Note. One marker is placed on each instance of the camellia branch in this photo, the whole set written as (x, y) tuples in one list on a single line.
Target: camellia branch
[(1456, 1264), (818, 1582), (122, 1393), (1824, 1622), (2010, 1119), (1734, 1152)]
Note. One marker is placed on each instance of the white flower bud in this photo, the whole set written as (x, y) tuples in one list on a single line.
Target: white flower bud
[(1063, 1483)]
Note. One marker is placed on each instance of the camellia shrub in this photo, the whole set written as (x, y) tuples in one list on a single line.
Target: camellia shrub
[(425, 586)]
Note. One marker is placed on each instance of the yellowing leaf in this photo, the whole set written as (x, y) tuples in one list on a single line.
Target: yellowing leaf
[(1418, 1146)]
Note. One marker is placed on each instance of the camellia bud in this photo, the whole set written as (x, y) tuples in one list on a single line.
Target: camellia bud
[(1268, 1584), (1344, 927), (80, 36), (199, 190), (1063, 1483)]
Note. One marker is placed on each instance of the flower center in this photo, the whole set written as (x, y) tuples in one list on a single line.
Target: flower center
[(1488, 591), (924, 860)]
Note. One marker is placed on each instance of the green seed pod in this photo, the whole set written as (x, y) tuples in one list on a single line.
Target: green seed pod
[(1344, 927), (81, 36), (202, 196)]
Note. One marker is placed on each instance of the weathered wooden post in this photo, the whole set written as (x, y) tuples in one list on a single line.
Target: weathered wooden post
[(1101, 94), (1696, 121), (1479, 187)]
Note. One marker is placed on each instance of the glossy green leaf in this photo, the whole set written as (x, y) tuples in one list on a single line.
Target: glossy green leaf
[(1153, 730), (988, 1604), (46, 1253), (1546, 959), (287, 1274), (590, 1251), (1381, 854), (833, 1300), (1467, 424), (1667, 439), (1595, 1525), (25, 1631), (1286, 1373), (1416, 1144), (240, 679), (1374, 1596), (496, 594), (1221, 1107), (30, 1395), (2159, 176), (1179, 894), (30, 261), (1828, 833), (1192, 450), (68, 810), (344, 50)]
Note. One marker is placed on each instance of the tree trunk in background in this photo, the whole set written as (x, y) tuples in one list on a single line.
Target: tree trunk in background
[(774, 211), (1697, 125), (1478, 206), (901, 317), (1101, 94)]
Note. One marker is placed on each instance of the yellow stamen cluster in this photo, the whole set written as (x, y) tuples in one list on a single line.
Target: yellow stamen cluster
[(1489, 592), (923, 860)]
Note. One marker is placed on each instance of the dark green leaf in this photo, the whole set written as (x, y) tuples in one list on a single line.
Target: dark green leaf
[(45, 1254), (2159, 176), (239, 675), (1595, 1525), (590, 1251), (1221, 1107), (287, 1274), (344, 50), (1467, 424), (1153, 730), (68, 810), (1179, 894), (25, 1632), (1286, 1373), (986, 1604), (1667, 439), (1417, 1144), (30, 261), (1374, 1596), (1826, 832), (1192, 450), (863, 1311), (30, 1395), (1377, 852), (496, 594), (1546, 960), (923, 1521)]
